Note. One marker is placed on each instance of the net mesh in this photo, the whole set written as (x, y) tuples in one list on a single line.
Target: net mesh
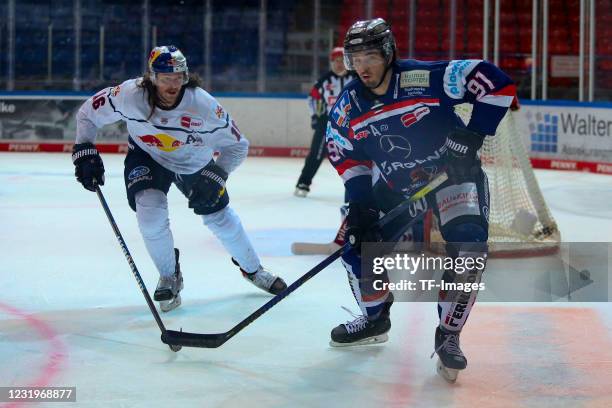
[(519, 219)]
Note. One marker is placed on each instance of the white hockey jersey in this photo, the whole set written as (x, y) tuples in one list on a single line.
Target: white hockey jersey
[(182, 139)]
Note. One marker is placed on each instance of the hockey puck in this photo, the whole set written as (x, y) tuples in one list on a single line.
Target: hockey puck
[(585, 275)]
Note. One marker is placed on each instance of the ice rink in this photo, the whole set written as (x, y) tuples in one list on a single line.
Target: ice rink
[(71, 313)]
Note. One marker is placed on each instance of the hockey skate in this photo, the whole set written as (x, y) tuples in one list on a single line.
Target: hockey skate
[(363, 330), (168, 291), (263, 279), (450, 357), (301, 190)]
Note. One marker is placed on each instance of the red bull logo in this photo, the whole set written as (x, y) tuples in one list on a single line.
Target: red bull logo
[(161, 141), (219, 112), (190, 122), (153, 55), (115, 91)]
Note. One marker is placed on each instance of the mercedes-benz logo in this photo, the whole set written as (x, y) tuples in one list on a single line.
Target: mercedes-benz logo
[(396, 146)]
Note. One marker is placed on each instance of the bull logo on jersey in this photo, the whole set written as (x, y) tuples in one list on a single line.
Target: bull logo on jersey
[(115, 91), (219, 112), (396, 146), (162, 141)]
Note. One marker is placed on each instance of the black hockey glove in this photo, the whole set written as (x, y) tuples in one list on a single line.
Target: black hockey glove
[(88, 165), (360, 226), (317, 121), (314, 122), (208, 188), (462, 159)]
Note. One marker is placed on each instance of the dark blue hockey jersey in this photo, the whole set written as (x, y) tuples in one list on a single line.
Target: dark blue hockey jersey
[(402, 133)]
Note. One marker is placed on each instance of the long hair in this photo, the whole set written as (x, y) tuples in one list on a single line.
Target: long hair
[(151, 91)]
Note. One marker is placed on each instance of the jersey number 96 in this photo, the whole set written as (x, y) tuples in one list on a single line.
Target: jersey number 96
[(98, 100)]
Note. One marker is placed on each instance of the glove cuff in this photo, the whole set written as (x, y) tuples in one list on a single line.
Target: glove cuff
[(217, 178), (81, 150), (469, 138)]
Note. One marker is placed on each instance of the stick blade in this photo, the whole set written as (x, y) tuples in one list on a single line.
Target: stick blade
[(311, 248), (181, 338)]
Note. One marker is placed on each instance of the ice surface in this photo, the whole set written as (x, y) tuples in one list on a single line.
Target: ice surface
[(71, 313)]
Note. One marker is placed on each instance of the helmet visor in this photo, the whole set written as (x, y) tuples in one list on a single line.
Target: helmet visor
[(363, 59), (170, 79)]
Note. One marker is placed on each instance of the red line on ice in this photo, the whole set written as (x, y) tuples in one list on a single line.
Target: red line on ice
[(55, 356)]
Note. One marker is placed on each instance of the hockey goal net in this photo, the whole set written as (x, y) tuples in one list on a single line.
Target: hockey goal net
[(520, 223)]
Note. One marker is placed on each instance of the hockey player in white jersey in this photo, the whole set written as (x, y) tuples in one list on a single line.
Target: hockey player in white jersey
[(174, 128)]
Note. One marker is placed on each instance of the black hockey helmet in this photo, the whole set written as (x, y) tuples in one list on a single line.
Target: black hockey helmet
[(367, 35)]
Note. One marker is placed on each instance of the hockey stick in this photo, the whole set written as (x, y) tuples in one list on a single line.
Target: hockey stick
[(313, 248), (135, 272), (181, 338)]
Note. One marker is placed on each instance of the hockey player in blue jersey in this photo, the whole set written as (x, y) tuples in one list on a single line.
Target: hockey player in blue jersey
[(398, 122)]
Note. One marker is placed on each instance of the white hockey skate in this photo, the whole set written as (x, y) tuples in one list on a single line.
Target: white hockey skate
[(301, 190), (168, 291), (264, 280), (450, 357)]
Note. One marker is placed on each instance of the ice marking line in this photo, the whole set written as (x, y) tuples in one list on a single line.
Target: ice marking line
[(402, 392), (489, 379), (55, 356), (581, 335), (495, 374)]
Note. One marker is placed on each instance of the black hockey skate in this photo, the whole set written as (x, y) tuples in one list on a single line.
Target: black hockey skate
[(168, 291), (450, 356), (263, 279), (363, 330)]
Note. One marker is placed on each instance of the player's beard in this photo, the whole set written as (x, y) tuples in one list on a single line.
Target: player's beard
[(370, 82), (373, 82), (167, 99)]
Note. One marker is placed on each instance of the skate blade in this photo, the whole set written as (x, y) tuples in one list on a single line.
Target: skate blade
[(369, 340), (168, 305), (449, 374)]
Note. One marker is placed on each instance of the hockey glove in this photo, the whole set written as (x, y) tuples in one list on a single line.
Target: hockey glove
[(314, 122), (208, 188), (462, 159), (360, 225), (318, 121), (89, 168)]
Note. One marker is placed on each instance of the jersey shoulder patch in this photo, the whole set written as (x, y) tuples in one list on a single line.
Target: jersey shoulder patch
[(126, 90), (454, 77), (340, 112), (205, 103), (339, 140)]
